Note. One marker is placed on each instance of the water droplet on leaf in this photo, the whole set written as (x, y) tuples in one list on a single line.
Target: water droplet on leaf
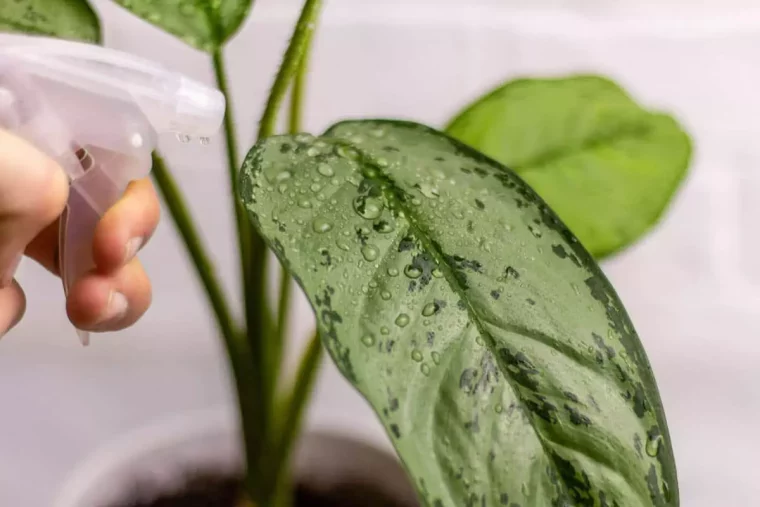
[(392, 272), (412, 272), (385, 295), (402, 320), (347, 152), (368, 340), (436, 357), (429, 191), (653, 445), (370, 252), (429, 309), (368, 208), (425, 369), (325, 170), (417, 355), (321, 225), (283, 175)]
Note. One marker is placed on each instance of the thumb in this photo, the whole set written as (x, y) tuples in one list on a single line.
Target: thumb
[(33, 194)]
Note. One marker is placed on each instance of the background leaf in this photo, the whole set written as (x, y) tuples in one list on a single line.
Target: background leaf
[(69, 19), (497, 355), (606, 166), (203, 24)]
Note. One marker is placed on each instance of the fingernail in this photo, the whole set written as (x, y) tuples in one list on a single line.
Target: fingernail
[(133, 246), (116, 309), (7, 277)]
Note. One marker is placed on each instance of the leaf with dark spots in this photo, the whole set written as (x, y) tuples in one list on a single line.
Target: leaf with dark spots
[(640, 405), (472, 426), (406, 244), (576, 417), (497, 361), (504, 499), (522, 370), (579, 485), (480, 204), (206, 26), (392, 403), (467, 380), (653, 483), (543, 409), (609, 351), (71, 19), (637, 445), (326, 259), (495, 293), (510, 273), (424, 264)]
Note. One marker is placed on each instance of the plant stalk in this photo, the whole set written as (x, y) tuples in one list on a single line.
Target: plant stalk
[(238, 349), (286, 281), (291, 62), (260, 388), (291, 419)]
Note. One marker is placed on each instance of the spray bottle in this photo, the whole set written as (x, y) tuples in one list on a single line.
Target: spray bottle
[(97, 112)]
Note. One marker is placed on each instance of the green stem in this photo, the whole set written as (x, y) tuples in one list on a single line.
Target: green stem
[(172, 196), (290, 64), (297, 92), (243, 228), (237, 346), (260, 388), (292, 416), (286, 283)]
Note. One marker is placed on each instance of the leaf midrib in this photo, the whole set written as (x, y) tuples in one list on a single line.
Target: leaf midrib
[(638, 131), (447, 271)]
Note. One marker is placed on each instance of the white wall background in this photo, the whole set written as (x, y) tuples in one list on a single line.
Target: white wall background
[(692, 287)]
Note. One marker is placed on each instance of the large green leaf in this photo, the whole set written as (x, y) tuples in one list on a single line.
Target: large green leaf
[(605, 165), (70, 19), (203, 24), (497, 355)]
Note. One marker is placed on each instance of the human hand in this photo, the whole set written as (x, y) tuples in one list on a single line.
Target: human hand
[(33, 194)]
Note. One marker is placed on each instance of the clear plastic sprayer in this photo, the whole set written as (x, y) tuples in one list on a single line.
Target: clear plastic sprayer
[(98, 113)]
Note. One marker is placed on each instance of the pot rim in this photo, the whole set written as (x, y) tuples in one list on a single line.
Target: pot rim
[(173, 431), (162, 434)]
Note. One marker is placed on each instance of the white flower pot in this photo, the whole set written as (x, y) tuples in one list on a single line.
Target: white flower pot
[(157, 459)]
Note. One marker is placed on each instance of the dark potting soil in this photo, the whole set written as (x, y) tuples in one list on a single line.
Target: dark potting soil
[(216, 491)]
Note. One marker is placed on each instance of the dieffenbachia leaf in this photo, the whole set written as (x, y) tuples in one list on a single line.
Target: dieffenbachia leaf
[(203, 24), (69, 19), (606, 166), (496, 353)]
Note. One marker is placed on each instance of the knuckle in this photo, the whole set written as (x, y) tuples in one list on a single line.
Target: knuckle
[(51, 193)]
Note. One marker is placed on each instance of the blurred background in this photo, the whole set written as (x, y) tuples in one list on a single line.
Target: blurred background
[(692, 286)]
